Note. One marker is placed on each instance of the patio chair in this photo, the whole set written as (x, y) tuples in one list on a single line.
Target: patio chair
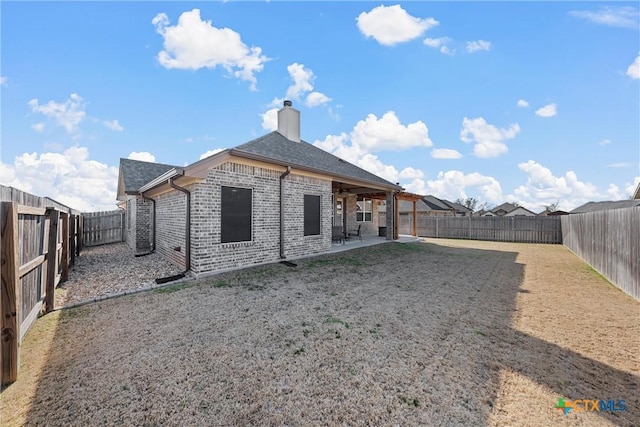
[(355, 233), (336, 234)]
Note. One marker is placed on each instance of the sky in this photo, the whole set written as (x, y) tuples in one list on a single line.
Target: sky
[(536, 103)]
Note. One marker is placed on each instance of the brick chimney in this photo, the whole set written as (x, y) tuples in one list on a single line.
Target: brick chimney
[(289, 122)]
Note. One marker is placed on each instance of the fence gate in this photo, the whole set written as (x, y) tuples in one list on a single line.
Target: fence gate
[(100, 228)]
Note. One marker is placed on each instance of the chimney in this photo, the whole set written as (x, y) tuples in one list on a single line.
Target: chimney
[(289, 122)]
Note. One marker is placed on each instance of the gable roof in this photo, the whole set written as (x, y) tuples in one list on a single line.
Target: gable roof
[(436, 204), (603, 206), (636, 194), (136, 173), (274, 147), (457, 206), (507, 207)]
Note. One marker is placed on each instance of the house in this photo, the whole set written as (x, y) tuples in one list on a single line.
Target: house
[(509, 209), (605, 206), (458, 209), (636, 194), (271, 198)]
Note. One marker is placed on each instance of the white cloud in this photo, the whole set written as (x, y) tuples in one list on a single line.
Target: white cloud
[(390, 25), (193, 44), (522, 103), (387, 133), (620, 165), (210, 153), (3, 80), (445, 153), (489, 140), (455, 184), (270, 119), (69, 177), (605, 142), (613, 16), (630, 188), (543, 188), (373, 134), (439, 43), (410, 173), (114, 125), (143, 156), (634, 69), (548, 110), (302, 80), (478, 46), (316, 98), (38, 127), (68, 114)]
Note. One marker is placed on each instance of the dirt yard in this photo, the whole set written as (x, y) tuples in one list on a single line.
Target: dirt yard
[(440, 333)]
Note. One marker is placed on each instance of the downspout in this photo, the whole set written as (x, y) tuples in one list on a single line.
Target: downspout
[(282, 177), (187, 237), (153, 228)]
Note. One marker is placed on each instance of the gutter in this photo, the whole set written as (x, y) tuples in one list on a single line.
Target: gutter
[(282, 177)]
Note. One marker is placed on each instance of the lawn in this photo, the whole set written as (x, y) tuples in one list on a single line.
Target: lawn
[(441, 332)]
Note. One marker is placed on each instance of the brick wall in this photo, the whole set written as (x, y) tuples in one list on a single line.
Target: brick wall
[(171, 211), (369, 228), (144, 225), (130, 218), (209, 254)]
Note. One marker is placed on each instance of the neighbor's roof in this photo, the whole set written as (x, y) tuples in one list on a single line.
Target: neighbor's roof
[(604, 206), (407, 206), (636, 194), (436, 204), (457, 206), (507, 207), (275, 147), (137, 173)]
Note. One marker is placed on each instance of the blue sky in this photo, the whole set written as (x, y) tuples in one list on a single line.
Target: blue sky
[(535, 102)]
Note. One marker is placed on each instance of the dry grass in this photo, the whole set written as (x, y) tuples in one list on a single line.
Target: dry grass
[(438, 333)]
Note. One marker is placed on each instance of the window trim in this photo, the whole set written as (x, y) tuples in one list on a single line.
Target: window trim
[(251, 215), (364, 209)]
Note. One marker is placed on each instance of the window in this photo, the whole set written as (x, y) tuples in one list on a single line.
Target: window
[(363, 210), (311, 215), (235, 214)]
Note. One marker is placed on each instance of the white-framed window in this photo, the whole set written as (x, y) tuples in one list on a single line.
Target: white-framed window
[(364, 209), (236, 214)]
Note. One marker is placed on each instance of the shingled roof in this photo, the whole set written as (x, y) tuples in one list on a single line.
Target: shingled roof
[(274, 146), (604, 206), (137, 173)]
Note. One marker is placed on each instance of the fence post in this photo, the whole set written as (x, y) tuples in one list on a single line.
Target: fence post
[(72, 237), (436, 226), (53, 215), (11, 306), (65, 246)]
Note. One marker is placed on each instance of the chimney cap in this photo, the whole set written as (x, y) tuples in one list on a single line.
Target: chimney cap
[(288, 103)]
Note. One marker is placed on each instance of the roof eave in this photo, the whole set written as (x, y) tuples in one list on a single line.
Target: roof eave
[(161, 179)]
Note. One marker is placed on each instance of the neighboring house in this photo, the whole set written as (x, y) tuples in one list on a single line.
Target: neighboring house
[(501, 210), (458, 209), (553, 213), (509, 209), (271, 198), (604, 206), (520, 211), (636, 194)]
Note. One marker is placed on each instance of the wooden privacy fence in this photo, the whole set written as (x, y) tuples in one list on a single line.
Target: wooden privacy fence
[(100, 228), (37, 250), (609, 241), (499, 229)]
